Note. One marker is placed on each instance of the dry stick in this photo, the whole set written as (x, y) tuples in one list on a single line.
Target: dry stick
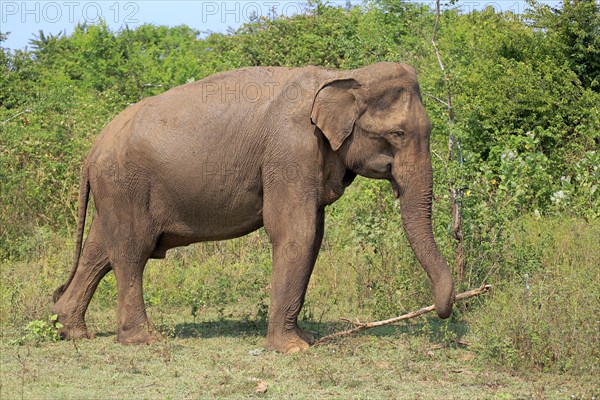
[(360, 326)]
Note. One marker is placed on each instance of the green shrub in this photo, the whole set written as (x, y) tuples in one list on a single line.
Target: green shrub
[(40, 331)]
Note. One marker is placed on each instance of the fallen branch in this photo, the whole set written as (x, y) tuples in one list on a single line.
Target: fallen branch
[(361, 326)]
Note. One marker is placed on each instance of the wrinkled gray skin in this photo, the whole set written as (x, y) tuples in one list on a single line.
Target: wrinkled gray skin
[(224, 156)]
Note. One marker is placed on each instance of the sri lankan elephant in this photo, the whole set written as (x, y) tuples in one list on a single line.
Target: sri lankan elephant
[(221, 157)]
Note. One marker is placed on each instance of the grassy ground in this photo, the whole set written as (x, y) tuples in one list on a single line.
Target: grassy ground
[(222, 357), (536, 337)]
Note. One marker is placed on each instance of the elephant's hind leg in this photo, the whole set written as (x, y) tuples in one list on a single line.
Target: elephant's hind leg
[(128, 260), (133, 326), (73, 303)]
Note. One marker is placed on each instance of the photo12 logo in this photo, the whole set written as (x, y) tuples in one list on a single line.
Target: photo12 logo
[(236, 12), (124, 12), (251, 92)]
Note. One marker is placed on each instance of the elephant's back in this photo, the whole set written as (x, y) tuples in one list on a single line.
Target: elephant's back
[(218, 108), (225, 122)]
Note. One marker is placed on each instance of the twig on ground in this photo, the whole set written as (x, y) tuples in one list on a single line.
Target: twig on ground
[(360, 326)]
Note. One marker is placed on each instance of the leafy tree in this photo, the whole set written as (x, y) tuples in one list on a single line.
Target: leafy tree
[(575, 30)]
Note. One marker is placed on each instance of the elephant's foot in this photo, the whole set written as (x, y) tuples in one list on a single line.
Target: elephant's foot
[(70, 326), (74, 331), (305, 335), (143, 335), (288, 342)]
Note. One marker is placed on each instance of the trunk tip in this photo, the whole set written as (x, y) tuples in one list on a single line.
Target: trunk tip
[(444, 312), (443, 304)]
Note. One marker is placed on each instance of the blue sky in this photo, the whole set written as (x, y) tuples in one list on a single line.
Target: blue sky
[(24, 19)]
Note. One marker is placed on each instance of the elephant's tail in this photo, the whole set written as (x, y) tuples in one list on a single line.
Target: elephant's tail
[(84, 195)]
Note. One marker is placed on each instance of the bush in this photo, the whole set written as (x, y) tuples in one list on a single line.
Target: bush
[(42, 331)]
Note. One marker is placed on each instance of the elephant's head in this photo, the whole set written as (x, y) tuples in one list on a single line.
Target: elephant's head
[(374, 120)]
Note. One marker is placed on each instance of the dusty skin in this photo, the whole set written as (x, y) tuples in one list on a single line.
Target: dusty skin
[(224, 156)]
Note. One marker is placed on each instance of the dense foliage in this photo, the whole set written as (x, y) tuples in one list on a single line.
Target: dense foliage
[(526, 95), (526, 91)]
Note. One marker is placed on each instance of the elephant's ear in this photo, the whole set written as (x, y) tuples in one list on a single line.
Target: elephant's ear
[(335, 110)]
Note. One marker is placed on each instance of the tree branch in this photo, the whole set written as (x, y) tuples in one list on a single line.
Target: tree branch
[(455, 194), (16, 115), (441, 64), (361, 326), (436, 98)]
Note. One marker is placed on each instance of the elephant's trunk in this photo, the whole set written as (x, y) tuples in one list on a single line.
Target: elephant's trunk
[(414, 185)]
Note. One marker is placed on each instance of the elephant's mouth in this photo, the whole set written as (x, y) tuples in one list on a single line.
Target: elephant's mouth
[(396, 188), (348, 178)]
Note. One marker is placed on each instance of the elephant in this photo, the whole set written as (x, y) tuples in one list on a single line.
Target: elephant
[(226, 155)]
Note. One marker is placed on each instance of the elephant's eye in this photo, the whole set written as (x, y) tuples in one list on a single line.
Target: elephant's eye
[(398, 133)]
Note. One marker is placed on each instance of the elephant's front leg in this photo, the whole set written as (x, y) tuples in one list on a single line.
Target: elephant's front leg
[(296, 234)]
